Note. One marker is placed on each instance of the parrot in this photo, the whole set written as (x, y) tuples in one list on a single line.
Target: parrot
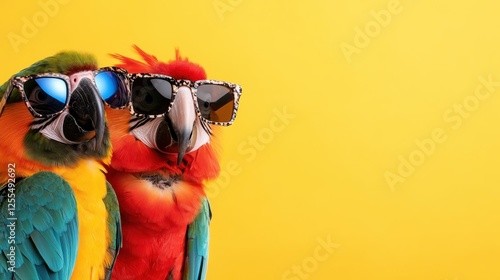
[(159, 168), (59, 216)]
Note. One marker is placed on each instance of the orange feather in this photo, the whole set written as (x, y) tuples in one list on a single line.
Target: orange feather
[(14, 124)]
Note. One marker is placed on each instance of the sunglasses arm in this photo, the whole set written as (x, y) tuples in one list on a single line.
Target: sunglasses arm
[(5, 97)]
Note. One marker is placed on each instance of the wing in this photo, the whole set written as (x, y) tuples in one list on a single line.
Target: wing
[(196, 261), (38, 228), (114, 226)]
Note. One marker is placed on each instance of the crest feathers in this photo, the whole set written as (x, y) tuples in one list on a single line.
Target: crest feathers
[(180, 68)]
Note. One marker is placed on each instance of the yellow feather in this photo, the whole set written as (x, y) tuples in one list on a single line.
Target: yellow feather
[(89, 185)]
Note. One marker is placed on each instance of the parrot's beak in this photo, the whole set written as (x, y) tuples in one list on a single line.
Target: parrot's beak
[(182, 117), (86, 110)]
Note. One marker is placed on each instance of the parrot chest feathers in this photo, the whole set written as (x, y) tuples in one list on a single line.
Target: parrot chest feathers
[(157, 200), (89, 186), (159, 180)]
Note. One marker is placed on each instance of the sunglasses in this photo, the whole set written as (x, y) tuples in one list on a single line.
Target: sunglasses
[(152, 96), (47, 95)]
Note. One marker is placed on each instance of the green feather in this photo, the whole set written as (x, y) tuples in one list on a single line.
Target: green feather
[(63, 62), (50, 152), (114, 225), (47, 151)]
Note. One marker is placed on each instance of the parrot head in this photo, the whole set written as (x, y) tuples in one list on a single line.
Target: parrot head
[(178, 131), (63, 118), (167, 126)]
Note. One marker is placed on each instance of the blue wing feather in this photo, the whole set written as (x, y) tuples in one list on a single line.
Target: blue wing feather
[(196, 260), (46, 233)]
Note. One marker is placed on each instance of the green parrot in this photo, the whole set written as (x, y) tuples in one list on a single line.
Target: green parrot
[(59, 217)]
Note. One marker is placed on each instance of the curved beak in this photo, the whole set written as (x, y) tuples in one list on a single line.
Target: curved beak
[(87, 110), (182, 117)]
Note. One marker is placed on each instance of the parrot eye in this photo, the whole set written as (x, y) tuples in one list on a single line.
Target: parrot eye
[(38, 95), (46, 95), (151, 96), (204, 105), (215, 102)]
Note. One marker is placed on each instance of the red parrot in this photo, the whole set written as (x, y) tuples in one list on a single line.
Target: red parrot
[(162, 155)]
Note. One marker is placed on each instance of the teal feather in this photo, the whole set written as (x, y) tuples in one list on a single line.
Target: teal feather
[(46, 228), (57, 220), (24, 226), (198, 235), (49, 248), (31, 252), (42, 220), (27, 270), (3, 266)]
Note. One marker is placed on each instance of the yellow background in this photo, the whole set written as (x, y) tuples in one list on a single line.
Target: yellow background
[(321, 175)]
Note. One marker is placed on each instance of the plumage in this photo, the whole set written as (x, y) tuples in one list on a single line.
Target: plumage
[(114, 227), (164, 209), (67, 220), (40, 247), (195, 265)]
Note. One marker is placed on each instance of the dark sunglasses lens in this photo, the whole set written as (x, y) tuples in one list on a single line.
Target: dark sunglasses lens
[(112, 88), (151, 96), (46, 95), (216, 102)]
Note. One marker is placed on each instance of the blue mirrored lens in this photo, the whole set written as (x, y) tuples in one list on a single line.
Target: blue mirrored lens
[(112, 88), (107, 84), (47, 95), (54, 87)]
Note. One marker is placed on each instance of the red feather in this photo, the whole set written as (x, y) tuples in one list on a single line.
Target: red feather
[(154, 220), (179, 68)]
